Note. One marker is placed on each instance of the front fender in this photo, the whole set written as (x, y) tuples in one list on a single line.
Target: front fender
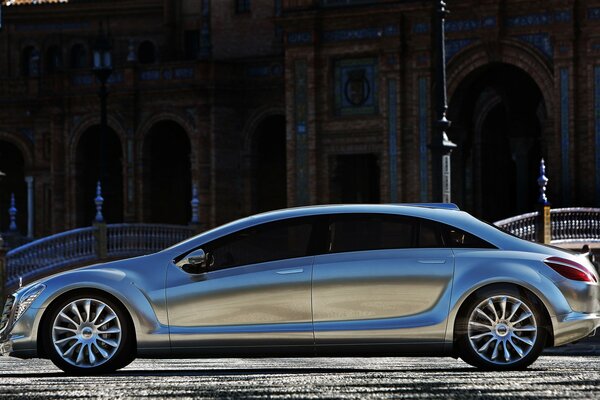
[(143, 299)]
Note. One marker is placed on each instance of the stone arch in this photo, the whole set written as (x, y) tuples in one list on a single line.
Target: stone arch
[(199, 157), (15, 161), (81, 190), (88, 122), (166, 184), (255, 119), (507, 51), (499, 130), (22, 145), (264, 153)]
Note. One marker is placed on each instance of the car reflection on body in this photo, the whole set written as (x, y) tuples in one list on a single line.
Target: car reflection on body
[(346, 280)]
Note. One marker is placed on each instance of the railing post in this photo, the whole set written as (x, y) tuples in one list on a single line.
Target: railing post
[(543, 224), (101, 240), (3, 274), (100, 225)]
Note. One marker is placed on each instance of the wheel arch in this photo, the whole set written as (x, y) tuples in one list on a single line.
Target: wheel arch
[(41, 345), (532, 295)]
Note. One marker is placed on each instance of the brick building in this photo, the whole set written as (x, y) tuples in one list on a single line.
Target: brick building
[(264, 104)]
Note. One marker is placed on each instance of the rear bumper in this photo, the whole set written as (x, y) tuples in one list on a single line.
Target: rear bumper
[(573, 326)]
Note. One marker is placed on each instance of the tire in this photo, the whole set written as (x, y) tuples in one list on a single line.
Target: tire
[(88, 334), (501, 328)]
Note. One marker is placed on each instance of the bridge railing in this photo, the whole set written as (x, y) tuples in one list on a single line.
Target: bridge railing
[(522, 226), (138, 239), (568, 225), (52, 252), (85, 245)]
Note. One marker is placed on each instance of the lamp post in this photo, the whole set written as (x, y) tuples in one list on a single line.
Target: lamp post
[(102, 69), (440, 146)]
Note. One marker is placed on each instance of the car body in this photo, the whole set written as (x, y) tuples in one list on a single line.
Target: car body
[(337, 280)]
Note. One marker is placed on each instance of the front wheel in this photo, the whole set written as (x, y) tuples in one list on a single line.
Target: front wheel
[(501, 329), (88, 335)]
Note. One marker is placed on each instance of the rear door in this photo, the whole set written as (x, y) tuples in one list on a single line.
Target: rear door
[(384, 279)]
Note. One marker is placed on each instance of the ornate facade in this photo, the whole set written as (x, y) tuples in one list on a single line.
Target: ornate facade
[(264, 104)]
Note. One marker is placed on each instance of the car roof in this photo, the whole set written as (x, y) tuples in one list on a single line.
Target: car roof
[(446, 213)]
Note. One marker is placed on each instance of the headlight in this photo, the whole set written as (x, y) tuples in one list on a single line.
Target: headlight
[(27, 299)]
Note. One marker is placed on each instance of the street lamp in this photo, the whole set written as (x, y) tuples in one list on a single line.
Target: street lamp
[(102, 68), (440, 146)]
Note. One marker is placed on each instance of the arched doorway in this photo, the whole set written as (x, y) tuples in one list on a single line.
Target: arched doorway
[(12, 164), (89, 170), (167, 174), (497, 114), (269, 174)]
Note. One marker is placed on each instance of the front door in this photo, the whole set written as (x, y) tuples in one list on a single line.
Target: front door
[(255, 293)]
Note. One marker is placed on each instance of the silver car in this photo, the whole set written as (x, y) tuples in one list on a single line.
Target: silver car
[(347, 280)]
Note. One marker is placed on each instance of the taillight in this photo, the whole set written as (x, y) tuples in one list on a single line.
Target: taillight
[(570, 269)]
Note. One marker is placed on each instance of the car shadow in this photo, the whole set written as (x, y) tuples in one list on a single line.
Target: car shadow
[(260, 371)]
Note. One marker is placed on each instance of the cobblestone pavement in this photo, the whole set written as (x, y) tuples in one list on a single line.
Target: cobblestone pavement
[(365, 378)]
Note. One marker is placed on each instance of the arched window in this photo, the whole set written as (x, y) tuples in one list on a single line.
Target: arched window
[(30, 61), (78, 56), (53, 59), (146, 52)]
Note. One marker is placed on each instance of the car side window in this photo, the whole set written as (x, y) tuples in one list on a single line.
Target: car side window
[(457, 238), (278, 240), (430, 235), (360, 232)]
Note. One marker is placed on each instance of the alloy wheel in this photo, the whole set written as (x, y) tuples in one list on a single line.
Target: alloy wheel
[(502, 330), (86, 333)]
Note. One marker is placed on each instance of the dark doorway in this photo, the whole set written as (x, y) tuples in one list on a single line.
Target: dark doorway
[(354, 179), (496, 114), (167, 174), (89, 170), (269, 177), (13, 165)]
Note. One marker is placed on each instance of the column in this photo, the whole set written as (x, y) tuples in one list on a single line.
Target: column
[(30, 208)]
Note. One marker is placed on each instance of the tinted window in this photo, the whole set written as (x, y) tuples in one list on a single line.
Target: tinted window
[(269, 242), (430, 235), (454, 237), (358, 232)]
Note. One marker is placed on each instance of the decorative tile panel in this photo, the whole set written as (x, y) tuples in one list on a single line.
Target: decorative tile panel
[(393, 138), (423, 138), (593, 13), (421, 27), (597, 127), (541, 41), (301, 126), (264, 71), (205, 37), (356, 87), (564, 135), (53, 27), (344, 35), (539, 19), (299, 37), (469, 25), (455, 46)]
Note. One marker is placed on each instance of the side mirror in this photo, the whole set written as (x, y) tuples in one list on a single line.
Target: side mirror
[(194, 262)]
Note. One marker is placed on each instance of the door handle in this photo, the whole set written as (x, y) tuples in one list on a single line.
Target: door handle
[(432, 261), (290, 271)]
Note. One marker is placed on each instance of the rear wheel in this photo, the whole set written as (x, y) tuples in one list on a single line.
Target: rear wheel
[(501, 329), (88, 335)]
